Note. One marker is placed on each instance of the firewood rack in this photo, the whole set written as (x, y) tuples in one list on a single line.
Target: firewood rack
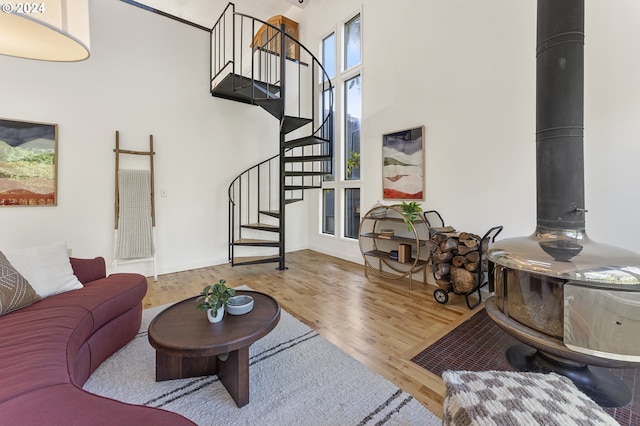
[(437, 232)]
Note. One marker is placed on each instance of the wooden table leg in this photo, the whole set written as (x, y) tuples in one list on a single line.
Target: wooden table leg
[(170, 367), (234, 375)]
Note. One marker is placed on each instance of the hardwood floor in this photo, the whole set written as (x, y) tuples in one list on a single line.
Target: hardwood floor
[(378, 322)]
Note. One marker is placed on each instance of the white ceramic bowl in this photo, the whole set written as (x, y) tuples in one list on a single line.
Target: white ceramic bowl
[(239, 305)]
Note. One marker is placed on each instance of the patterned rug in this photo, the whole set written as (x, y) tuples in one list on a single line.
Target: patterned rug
[(480, 345), (515, 398), (296, 378)]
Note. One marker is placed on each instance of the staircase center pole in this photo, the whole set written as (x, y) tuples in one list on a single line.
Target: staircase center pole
[(281, 265)]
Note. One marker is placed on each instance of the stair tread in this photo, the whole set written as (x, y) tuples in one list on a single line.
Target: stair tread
[(291, 123), (305, 173), (305, 141), (255, 242), (252, 260), (239, 88), (300, 187), (275, 107), (309, 158), (272, 213), (262, 226)]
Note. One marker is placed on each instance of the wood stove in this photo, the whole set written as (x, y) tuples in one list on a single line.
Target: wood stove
[(574, 303)]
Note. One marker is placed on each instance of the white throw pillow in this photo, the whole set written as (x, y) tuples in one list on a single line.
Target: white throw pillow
[(47, 268)]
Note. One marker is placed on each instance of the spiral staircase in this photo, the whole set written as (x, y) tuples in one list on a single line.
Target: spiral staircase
[(295, 89)]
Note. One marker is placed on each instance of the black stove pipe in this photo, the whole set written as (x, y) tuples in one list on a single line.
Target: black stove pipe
[(560, 116)]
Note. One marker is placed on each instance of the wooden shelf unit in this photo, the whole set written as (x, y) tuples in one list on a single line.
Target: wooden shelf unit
[(266, 37), (376, 249)]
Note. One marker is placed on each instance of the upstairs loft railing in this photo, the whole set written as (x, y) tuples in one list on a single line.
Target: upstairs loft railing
[(257, 67)]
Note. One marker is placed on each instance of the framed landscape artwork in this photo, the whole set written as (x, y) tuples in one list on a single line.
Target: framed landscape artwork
[(403, 165), (28, 166)]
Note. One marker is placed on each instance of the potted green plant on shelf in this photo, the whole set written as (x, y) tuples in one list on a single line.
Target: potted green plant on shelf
[(213, 299), (410, 213)]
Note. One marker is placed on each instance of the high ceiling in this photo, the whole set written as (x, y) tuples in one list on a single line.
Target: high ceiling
[(206, 12)]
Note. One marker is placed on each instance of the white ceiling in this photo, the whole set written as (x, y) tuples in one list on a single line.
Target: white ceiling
[(206, 12)]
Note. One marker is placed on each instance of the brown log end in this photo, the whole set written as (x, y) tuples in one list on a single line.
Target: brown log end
[(463, 281)]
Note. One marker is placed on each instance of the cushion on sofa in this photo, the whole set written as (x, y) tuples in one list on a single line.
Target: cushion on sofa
[(15, 290), (47, 268), (104, 299), (88, 269)]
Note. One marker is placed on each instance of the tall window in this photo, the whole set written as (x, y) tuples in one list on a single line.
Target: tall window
[(352, 109), (329, 64), (327, 95), (329, 55), (342, 59), (352, 212), (352, 42), (328, 211)]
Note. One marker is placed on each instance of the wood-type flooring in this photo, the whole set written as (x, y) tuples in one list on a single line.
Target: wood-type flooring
[(377, 321)]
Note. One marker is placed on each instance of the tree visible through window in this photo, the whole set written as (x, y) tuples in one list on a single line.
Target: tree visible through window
[(352, 128)]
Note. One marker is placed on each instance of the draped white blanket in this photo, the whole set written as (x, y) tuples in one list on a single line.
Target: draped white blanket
[(135, 238)]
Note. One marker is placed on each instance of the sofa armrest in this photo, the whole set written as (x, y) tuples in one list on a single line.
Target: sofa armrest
[(88, 270)]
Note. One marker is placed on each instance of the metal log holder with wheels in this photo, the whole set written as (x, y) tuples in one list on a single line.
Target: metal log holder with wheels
[(458, 259)]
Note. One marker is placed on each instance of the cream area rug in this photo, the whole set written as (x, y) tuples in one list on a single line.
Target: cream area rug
[(296, 378)]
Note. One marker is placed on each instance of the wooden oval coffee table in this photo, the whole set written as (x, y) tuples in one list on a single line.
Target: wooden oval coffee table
[(188, 345)]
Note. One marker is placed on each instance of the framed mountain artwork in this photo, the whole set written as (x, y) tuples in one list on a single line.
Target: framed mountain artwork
[(403, 165), (28, 166)]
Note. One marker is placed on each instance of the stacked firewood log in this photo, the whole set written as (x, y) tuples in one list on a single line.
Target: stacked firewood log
[(455, 260)]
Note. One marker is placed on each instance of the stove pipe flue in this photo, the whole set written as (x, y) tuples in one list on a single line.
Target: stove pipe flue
[(560, 116), (559, 247)]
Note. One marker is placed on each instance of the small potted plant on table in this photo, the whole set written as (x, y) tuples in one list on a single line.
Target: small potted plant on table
[(213, 299)]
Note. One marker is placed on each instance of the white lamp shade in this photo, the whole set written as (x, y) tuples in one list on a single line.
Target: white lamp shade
[(58, 31)]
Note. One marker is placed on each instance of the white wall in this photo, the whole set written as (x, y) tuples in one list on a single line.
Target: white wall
[(466, 70), (146, 75), (612, 111)]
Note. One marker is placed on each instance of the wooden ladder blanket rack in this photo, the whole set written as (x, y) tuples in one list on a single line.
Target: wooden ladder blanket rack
[(151, 154)]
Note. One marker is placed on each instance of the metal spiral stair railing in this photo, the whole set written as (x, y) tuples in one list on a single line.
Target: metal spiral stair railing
[(295, 89)]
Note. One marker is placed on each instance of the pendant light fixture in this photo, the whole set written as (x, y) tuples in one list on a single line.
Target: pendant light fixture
[(51, 30)]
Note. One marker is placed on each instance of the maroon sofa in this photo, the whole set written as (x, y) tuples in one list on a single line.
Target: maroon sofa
[(49, 349)]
